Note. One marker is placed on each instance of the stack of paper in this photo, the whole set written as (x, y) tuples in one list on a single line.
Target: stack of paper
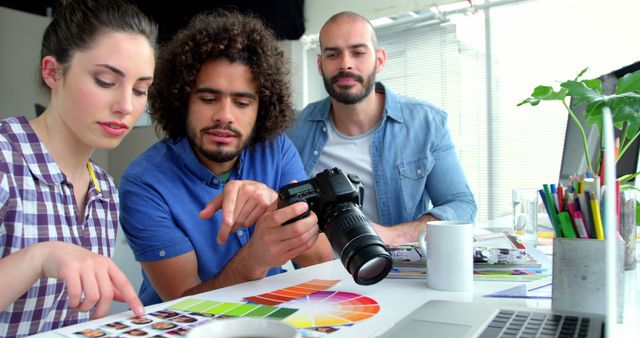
[(496, 256)]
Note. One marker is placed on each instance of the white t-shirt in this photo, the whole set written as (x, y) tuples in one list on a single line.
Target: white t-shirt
[(352, 154)]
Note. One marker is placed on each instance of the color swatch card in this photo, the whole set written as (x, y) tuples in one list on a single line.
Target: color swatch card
[(215, 308), (292, 292)]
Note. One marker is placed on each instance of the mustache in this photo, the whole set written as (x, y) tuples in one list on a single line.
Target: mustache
[(342, 74), (223, 127)]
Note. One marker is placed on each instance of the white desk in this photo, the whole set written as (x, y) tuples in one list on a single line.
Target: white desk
[(396, 297)]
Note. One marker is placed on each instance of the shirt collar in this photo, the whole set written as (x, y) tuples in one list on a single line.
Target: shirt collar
[(37, 157), (391, 107)]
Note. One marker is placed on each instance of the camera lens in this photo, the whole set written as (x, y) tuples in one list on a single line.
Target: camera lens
[(360, 249), (369, 271)]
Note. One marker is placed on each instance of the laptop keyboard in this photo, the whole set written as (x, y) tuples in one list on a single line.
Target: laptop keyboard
[(521, 324)]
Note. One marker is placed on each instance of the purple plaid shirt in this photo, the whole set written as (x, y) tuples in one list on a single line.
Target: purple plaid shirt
[(37, 205)]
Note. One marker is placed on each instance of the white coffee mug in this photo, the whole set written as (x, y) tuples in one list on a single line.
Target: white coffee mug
[(244, 327), (449, 250)]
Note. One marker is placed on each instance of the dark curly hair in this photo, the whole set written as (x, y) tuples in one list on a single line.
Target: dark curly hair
[(233, 36)]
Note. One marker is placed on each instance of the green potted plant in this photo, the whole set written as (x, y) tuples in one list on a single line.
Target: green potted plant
[(624, 105)]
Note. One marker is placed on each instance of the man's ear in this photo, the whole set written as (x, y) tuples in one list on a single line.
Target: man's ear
[(381, 58), (51, 71)]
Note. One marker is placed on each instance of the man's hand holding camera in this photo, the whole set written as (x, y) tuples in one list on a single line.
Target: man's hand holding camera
[(244, 203), (273, 244)]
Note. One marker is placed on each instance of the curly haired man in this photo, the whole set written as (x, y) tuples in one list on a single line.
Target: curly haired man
[(222, 100)]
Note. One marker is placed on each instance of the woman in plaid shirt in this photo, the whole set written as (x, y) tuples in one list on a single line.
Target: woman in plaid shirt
[(58, 210)]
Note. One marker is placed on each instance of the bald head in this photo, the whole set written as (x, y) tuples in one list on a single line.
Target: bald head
[(345, 21), (349, 59)]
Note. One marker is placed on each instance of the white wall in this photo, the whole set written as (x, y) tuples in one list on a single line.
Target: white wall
[(20, 36)]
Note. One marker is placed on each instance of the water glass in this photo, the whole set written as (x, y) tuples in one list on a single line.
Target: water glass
[(525, 215)]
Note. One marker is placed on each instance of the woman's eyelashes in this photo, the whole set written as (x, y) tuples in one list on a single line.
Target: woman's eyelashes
[(106, 84), (139, 92)]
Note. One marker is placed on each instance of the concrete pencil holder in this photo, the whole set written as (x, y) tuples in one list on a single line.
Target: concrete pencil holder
[(579, 276)]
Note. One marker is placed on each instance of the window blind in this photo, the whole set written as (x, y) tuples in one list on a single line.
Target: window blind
[(432, 63)]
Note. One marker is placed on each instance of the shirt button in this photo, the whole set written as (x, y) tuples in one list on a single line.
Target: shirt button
[(315, 152), (215, 181), (162, 253), (324, 129), (418, 171), (240, 233)]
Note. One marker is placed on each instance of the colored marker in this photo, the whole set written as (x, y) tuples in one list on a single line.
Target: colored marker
[(597, 219)]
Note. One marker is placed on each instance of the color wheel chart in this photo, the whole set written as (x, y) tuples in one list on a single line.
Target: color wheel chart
[(320, 308), (331, 308)]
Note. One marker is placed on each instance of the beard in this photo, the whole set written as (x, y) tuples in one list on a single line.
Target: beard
[(346, 97), (216, 155)]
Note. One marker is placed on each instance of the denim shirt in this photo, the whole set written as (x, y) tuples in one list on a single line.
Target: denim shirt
[(415, 166)]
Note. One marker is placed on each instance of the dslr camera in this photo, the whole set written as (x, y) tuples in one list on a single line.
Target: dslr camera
[(336, 198)]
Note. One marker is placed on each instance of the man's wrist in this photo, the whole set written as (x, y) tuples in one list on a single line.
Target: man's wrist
[(246, 265), (421, 224)]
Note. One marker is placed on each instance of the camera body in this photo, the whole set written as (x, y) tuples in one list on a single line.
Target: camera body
[(327, 188), (336, 198)]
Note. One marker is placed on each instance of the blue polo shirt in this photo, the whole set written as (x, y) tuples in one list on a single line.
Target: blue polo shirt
[(164, 189)]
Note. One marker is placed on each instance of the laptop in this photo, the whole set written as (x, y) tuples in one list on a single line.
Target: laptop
[(451, 319)]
